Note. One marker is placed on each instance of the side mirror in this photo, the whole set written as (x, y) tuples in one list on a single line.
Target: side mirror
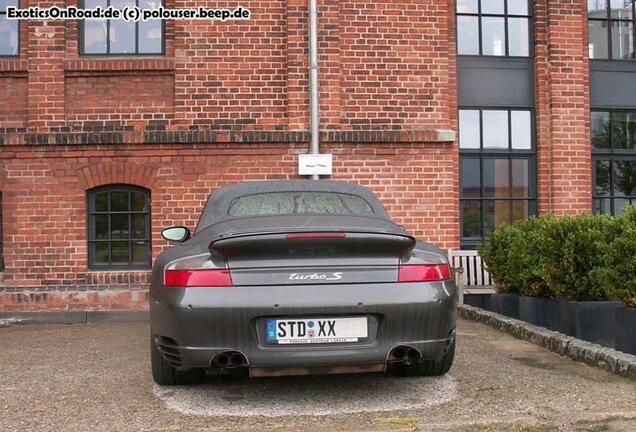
[(176, 234)]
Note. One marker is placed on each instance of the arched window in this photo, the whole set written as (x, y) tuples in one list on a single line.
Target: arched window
[(118, 227)]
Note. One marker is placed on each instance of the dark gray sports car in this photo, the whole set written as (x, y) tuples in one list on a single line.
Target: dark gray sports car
[(299, 277)]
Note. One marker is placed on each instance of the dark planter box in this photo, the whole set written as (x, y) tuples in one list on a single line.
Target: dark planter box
[(558, 316), (531, 310), (626, 335), (597, 322), (506, 304), (482, 301)]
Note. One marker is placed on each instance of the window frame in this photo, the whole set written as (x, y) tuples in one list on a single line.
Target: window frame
[(506, 18), (510, 154), (611, 155), (610, 21), (91, 220), (80, 36), (17, 54)]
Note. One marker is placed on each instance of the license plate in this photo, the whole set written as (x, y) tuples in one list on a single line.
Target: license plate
[(316, 330)]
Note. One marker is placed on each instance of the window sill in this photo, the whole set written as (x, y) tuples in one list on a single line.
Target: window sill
[(121, 277), (118, 65), (13, 66)]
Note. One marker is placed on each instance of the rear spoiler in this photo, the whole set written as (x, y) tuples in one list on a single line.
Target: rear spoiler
[(371, 243)]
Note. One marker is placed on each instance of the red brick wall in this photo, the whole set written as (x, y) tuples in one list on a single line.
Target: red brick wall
[(13, 108), (115, 99), (44, 198)]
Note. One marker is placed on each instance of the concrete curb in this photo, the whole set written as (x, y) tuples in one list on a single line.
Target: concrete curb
[(579, 350), (72, 317)]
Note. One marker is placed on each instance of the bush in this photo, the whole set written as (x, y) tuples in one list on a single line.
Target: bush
[(583, 258), (618, 274)]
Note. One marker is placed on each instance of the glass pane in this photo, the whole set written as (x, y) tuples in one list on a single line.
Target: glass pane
[(492, 7), (603, 206), (517, 7), (140, 251), (602, 178), (138, 201), (621, 9), (496, 178), (120, 252), (518, 37), (100, 252), (92, 4), (495, 129), (622, 40), (8, 36), (497, 213), (599, 46), (624, 130), (467, 6), (600, 129), (520, 178), (101, 227), (94, 37), (467, 35), (122, 37), (150, 37), (469, 135), (597, 8), (138, 226), (493, 37), (521, 130), (119, 226), (619, 206), (101, 202), (625, 178), (471, 219), (520, 210), (119, 201), (5, 3), (280, 203), (471, 178)]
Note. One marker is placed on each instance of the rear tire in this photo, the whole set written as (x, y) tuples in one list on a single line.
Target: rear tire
[(435, 367), (163, 373)]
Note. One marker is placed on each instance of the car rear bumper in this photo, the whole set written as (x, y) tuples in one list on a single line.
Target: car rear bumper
[(194, 325)]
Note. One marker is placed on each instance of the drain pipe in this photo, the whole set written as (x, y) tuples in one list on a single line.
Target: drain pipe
[(314, 102)]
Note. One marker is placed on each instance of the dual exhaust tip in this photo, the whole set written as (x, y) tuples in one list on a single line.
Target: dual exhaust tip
[(404, 354), (229, 359)]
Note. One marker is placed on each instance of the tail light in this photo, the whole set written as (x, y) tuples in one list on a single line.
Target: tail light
[(424, 273), (199, 271), (198, 278)]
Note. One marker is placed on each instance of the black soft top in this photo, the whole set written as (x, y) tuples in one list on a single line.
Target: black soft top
[(217, 207)]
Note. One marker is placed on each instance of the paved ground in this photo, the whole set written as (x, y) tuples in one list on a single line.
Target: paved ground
[(96, 378)]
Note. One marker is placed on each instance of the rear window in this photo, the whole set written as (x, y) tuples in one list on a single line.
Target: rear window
[(290, 203)]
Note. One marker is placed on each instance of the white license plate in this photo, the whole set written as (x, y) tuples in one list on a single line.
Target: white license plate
[(316, 330)]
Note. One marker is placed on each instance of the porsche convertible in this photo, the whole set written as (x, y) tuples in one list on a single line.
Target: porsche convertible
[(299, 277)]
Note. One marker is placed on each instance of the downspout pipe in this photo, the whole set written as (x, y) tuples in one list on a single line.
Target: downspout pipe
[(314, 97)]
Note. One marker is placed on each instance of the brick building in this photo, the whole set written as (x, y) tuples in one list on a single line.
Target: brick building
[(461, 115)]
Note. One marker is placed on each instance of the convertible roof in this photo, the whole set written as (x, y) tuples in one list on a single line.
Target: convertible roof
[(216, 208)]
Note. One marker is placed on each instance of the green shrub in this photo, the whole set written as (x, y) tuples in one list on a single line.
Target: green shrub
[(618, 274), (583, 258), (574, 254)]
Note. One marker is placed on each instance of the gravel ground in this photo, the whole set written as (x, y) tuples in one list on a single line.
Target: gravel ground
[(96, 378)]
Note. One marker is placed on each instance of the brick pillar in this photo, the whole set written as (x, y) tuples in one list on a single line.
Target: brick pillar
[(46, 73), (563, 107)]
